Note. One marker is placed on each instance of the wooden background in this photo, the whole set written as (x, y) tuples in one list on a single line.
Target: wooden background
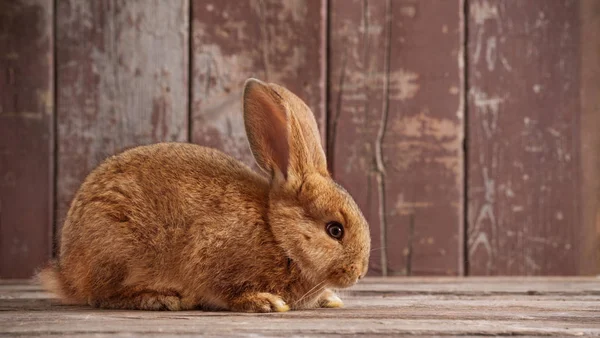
[(467, 130)]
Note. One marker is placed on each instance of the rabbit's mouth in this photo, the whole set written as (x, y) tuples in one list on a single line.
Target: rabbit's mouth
[(346, 276), (345, 282)]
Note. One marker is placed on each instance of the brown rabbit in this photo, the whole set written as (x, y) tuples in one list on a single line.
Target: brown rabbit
[(178, 226)]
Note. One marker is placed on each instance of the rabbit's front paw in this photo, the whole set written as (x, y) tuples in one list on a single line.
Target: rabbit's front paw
[(259, 302), (330, 299)]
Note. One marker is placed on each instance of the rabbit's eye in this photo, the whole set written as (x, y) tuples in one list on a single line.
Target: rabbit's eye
[(335, 230)]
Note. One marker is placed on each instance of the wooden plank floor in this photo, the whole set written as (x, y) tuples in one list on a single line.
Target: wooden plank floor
[(377, 306)]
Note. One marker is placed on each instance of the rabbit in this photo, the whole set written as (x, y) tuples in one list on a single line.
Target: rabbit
[(177, 226)]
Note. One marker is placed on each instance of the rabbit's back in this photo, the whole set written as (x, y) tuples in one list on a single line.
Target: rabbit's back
[(134, 216)]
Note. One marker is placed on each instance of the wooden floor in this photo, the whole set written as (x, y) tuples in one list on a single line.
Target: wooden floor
[(382, 307)]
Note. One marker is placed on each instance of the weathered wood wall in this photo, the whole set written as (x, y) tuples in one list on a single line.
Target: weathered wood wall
[(525, 154), (26, 135), (122, 80), (396, 129), (277, 41), (589, 72), (465, 129)]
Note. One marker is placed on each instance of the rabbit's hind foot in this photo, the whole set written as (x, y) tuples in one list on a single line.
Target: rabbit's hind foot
[(145, 300)]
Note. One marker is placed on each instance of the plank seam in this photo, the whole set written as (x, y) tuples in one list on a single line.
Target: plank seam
[(333, 123), (54, 150), (190, 71), (324, 66), (465, 107), (329, 131)]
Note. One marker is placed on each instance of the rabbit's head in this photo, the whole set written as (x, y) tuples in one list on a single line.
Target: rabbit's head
[(314, 220)]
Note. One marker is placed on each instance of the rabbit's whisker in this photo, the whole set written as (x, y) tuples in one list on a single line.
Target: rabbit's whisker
[(309, 295), (309, 291)]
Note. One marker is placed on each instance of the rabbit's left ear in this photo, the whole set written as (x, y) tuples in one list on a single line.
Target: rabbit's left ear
[(282, 131), (306, 150)]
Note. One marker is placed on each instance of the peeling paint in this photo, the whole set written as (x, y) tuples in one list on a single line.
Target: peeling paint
[(483, 10), (403, 207), (403, 85), (408, 11), (487, 105), (297, 9), (491, 54), (425, 125)]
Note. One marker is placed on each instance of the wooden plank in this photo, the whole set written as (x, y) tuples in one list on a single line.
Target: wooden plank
[(557, 307), (524, 154), (26, 135), (396, 128), (481, 286), (275, 41), (122, 81), (589, 259)]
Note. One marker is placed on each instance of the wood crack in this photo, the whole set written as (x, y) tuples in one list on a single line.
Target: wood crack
[(411, 237), (379, 163), (266, 41), (190, 75), (332, 135)]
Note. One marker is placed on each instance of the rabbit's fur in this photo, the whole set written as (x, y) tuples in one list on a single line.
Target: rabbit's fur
[(179, 226)]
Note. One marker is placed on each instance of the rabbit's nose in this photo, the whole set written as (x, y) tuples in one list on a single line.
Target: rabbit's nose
[(355, 270), (358, 270)]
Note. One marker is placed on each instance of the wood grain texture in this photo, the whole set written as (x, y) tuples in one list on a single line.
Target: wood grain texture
[(589, 257), (275, 41), (395, 137), (524, 186), (122, 81), (382, 307), (26, 135)]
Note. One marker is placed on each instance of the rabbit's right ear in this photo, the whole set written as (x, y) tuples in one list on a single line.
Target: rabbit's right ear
[(266, 122)]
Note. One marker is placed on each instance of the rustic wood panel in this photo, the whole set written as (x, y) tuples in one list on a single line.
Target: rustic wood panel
[(524, 154), (122, 81), (589, 258), (275, 41), (26, 129), (396, 122), (389, 307)]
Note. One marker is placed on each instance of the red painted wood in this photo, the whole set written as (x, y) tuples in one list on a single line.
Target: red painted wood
[(396, 128), (122, 81), (524, 196), (275, 41), (589, 247), (26, 130)]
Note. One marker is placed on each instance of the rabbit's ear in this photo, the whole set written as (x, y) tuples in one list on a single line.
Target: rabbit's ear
[(282, 131), (306, 150), (267, 122)]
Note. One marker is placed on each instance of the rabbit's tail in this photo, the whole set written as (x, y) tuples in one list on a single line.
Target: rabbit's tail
[(53, 281)]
